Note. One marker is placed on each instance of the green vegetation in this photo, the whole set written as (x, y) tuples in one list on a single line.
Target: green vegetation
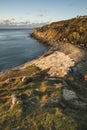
[(32, 110), (73, 31)]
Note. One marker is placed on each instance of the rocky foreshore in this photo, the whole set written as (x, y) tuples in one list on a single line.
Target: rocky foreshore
[(56, 36)]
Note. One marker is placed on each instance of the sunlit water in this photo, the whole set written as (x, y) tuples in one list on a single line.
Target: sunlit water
[(16, 48)]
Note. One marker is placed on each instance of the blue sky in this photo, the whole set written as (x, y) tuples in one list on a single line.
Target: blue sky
[(41, 10)]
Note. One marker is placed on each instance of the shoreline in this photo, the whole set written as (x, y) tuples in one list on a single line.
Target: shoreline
[(20, 66), (75, 53), (65, 48), (29, 59)]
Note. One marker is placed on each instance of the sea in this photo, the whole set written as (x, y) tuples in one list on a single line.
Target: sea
[(17, 48)]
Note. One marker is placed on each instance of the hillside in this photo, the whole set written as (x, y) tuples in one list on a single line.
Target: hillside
[(72, 31), (30, 99), (48, 93)]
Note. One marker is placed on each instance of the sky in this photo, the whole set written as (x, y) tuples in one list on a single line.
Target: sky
[(25, 12)]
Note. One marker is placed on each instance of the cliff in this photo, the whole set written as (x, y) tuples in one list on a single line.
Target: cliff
[(49, 93), (72, 31)]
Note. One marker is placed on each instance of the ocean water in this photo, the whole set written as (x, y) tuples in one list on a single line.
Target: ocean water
[(16, 48)]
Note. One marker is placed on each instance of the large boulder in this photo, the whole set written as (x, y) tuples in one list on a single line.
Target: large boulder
[(69, 95)]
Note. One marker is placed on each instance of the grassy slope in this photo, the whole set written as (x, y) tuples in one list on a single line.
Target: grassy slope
[(73, 31), (25, 115)]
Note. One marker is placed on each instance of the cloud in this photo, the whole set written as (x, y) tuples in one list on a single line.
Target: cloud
[(11, 23), (11, 19), (7, 21)]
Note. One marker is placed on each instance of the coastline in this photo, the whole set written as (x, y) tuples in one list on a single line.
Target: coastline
[(20, 53), (75, 53), (22, 65), (52, 87)]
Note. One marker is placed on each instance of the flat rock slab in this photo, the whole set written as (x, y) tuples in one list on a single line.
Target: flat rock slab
[(58, 64), (69, 95)]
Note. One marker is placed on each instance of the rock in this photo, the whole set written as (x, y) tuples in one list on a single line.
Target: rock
[(33, 103), (26, 79), (58, 64), (14, 98), (69, 94), (52, 101), (79, 103)]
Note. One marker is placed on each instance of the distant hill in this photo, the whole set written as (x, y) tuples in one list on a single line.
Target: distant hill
[(73, 31)]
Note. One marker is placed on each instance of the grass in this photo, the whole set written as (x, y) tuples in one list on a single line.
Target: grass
[(72, 31), (28, 113)]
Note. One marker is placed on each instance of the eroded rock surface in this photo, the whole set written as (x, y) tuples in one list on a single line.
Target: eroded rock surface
[(58, 64)]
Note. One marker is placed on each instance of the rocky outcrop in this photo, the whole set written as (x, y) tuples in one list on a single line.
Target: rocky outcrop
[(69, 95), (72, 98), (57, 64), (72, 31), (65, 38), (46, 36)]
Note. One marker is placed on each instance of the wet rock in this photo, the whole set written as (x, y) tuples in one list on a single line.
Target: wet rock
[(69, 95)]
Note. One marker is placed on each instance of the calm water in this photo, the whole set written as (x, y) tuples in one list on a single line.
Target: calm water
[(16, 48)]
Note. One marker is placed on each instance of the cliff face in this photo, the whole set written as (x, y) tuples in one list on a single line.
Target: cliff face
[(46, 35), (73, 31)]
